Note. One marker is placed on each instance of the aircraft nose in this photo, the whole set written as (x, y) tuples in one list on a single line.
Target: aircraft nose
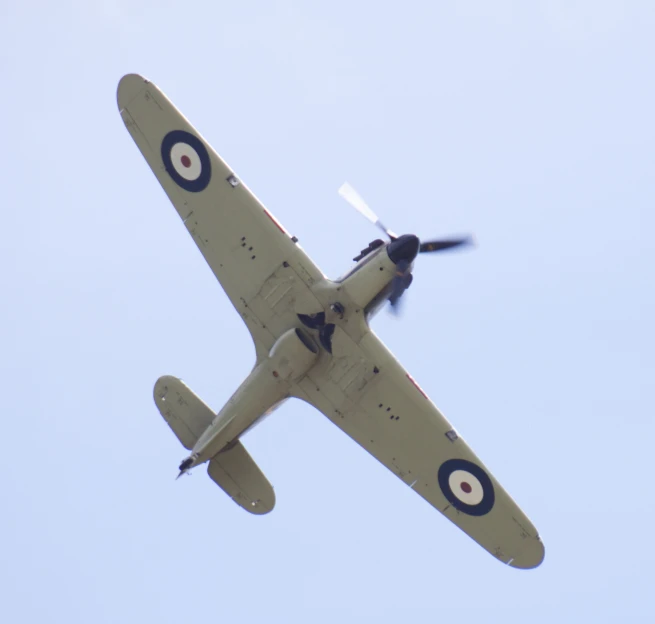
[(405, 247)]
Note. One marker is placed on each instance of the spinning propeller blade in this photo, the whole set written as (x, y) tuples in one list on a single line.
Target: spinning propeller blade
[(355, 200), (442, 245), (400, 283)]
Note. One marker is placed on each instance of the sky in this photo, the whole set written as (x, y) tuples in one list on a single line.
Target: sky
[(529, 125)]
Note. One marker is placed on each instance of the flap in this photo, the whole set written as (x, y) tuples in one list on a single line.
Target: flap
[(235, 472)]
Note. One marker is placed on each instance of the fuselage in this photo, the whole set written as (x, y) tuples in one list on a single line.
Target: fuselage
[(348, 303)]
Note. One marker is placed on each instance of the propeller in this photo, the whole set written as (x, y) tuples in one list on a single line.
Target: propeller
[(402, 249), (355, 200)]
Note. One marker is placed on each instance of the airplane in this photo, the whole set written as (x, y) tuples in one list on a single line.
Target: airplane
[(312, 341)]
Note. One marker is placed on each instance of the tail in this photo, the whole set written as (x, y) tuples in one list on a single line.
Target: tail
[(233, 470)]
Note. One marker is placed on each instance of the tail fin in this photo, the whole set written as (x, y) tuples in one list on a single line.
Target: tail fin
[(235, 472), (184, 412)]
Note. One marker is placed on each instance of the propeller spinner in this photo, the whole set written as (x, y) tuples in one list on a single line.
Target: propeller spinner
[(402, 250)]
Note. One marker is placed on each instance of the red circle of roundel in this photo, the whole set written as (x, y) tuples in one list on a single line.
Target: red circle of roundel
[(190, 165)]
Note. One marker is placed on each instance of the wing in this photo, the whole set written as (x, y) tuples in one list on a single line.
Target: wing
[(368, 394), (250, 253)]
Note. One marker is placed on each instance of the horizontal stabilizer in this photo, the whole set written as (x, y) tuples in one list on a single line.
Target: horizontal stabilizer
[(184, 412), (235, 472)]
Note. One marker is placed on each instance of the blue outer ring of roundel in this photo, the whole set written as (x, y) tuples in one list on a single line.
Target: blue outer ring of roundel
[(180, 136), (488, 497)]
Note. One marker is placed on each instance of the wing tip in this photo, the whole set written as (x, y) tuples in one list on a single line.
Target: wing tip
[(129, 87), (531, 557)]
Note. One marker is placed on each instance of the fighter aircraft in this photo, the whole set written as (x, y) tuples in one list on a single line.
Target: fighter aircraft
[(312, 341)]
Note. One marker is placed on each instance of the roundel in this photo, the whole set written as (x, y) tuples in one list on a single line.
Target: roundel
[(186, 160), (467, 487)]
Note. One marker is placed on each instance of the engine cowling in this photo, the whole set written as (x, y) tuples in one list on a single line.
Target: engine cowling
[(292, 355)]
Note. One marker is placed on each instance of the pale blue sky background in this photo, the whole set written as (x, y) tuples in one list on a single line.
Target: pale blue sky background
[(527, 124)]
